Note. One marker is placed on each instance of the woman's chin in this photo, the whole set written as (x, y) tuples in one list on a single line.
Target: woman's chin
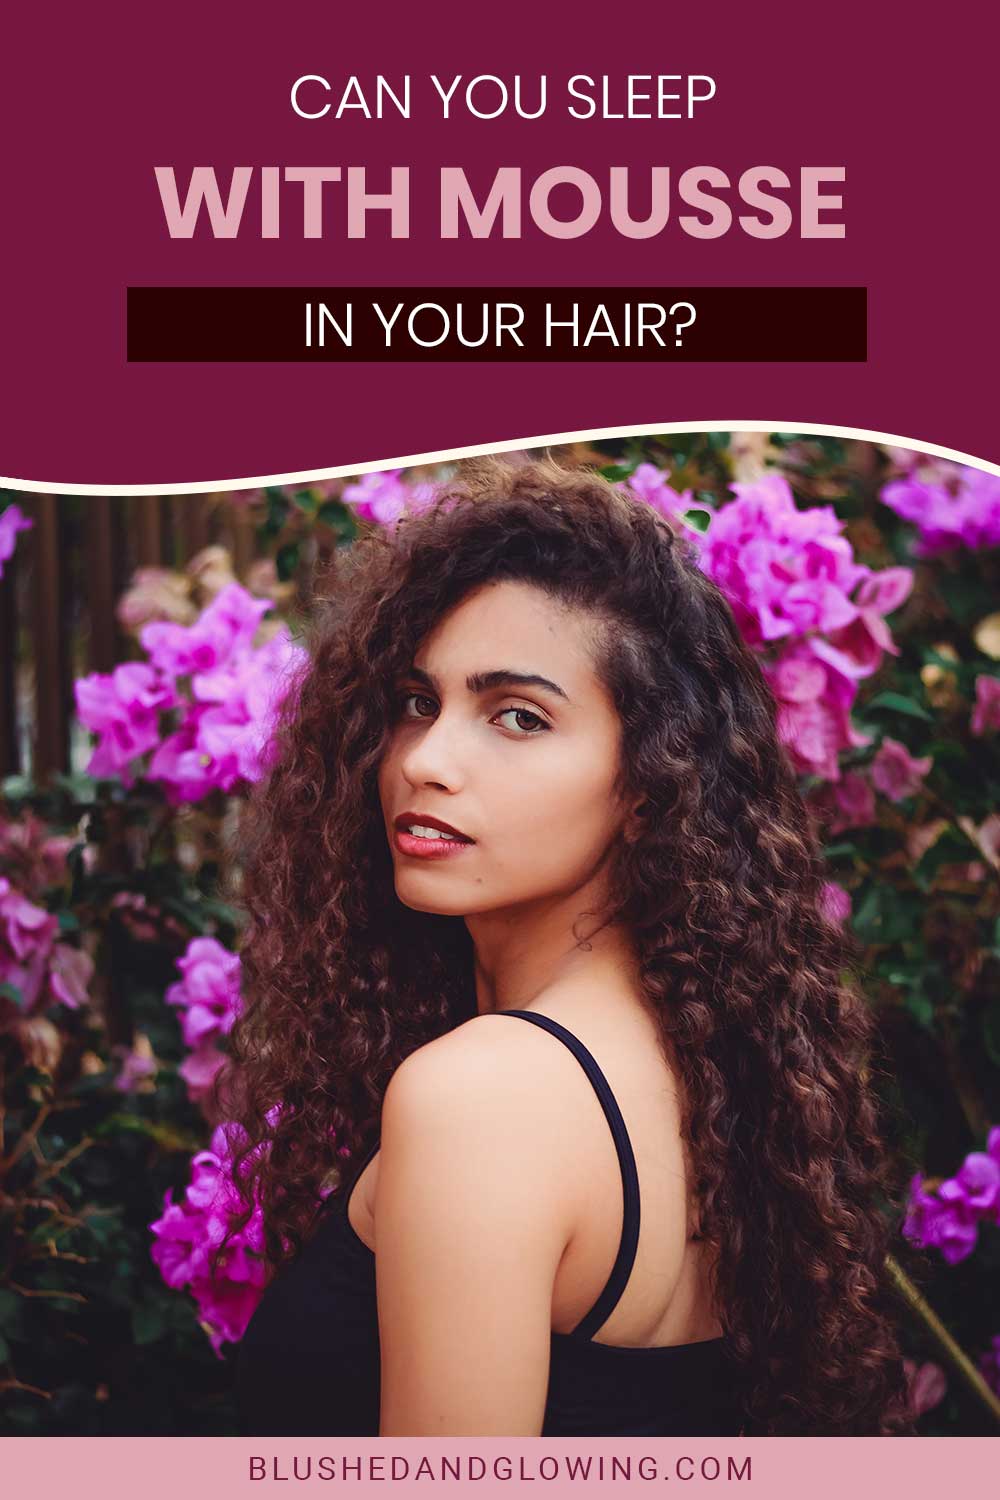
[(435, 903)]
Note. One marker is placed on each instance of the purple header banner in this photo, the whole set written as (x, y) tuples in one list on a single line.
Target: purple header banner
[(523, 152)]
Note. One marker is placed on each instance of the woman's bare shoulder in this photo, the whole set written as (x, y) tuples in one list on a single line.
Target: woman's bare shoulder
[(472, 1107), (508, 1083), (488, 1065)]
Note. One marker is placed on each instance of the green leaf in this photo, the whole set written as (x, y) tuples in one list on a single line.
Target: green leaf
[(148, 1323), (839, 851), (967, 597), (187, 912), (104, 1225), (920, 1007), (615, 472), (13, 788), (277, 514), (700, 519), (950, 848), (900, 704), (10, 991), (884, 915), (341, 520), (221, 911), (286, 561)]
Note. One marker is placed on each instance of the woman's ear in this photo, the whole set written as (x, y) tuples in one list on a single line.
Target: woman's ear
[(635, 823)]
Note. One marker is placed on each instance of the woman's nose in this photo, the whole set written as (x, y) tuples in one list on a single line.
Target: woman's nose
[(434, 755)]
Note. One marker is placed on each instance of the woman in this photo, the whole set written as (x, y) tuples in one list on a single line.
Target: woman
[(532, 777)]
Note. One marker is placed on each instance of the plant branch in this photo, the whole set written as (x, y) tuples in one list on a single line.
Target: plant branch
[(951, 1351)]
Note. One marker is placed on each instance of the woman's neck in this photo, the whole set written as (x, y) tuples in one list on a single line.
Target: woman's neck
[(517, 961)]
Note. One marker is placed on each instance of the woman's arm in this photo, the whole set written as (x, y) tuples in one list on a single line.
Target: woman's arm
[(470, 1228)]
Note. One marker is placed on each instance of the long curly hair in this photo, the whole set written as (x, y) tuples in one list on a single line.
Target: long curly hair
[(750, 981)]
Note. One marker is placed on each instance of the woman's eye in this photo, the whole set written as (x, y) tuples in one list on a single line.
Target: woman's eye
[(526, 713), (420, 697), (537, 725)]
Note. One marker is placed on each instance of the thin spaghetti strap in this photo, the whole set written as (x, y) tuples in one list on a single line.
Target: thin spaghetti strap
[(622, 1267)]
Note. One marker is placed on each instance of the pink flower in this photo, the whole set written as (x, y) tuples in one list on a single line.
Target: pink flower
[(34, 855), (854, 801), (227, 626), (945, 1222), (188, 1233), (209, 993), (987, 836), (814, 696), (199, 1068), (868, 636), (187, 770), (123, 708), (70, 973), (234, 735), (956, 508), (649, 483), (896, 773), (836, 902), (923, 1213), (225, 1308), (12, 520), (958, 1226), (979, 1179), (32, 961), (385, 497), (138, 1067), (28, 979), (180, 1250), (784, 571), (233, 692), (26, 928), (789, 575), (986, 713), (926, 1385)]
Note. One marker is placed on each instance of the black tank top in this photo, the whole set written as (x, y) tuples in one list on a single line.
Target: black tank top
[(308, 1363)]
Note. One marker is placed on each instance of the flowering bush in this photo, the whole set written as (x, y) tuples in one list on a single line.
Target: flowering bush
[(949, 1221), (187, 1233), (209, 996), (34, 968), (951, 506), (789, 575), (225, 689)]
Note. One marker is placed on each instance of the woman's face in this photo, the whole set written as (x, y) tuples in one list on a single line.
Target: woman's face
[(527, 770)]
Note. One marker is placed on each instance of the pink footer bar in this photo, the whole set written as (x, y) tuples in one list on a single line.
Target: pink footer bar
[(217, 1468)]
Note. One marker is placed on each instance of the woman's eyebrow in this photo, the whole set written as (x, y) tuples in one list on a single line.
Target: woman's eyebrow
[(481, 682)]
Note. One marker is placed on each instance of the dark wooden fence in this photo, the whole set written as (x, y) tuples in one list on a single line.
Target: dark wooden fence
[(58, 597)]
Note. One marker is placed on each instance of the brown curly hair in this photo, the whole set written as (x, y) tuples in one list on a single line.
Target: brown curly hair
[(748, 977)]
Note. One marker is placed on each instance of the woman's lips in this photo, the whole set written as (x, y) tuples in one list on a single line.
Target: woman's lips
[(420, 848)]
